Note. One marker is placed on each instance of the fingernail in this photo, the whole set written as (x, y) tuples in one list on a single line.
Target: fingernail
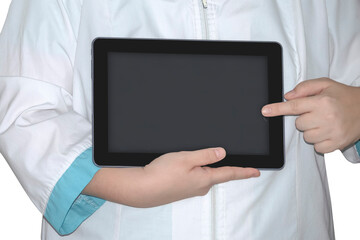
[(256, 174), (266, 110), (219, 153)]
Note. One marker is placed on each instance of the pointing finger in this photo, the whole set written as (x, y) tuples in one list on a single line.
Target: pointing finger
[(292, 107)]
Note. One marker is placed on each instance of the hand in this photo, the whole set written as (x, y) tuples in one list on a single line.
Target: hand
[(168, 178), (329, 113)]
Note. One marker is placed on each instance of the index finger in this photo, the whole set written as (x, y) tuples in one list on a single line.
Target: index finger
[(225, 174), (293, 107)]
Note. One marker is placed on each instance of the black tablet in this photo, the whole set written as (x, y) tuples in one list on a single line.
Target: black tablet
[(153, 96)]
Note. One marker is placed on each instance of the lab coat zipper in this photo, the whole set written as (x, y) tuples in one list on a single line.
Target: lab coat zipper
[(204, 2), (205, 33), (213, 211), (205, 27)]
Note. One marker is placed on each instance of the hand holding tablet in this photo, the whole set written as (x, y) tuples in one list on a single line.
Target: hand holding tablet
[(157, 96), (168, 178)]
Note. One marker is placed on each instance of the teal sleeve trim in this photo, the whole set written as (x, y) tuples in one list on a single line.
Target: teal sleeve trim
[(358, 147), (67, 208)]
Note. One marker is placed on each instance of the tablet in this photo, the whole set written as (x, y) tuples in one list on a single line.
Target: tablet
[(153, 96)]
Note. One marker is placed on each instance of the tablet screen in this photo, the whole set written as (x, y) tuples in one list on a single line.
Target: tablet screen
[(162, 102), (154, 96)]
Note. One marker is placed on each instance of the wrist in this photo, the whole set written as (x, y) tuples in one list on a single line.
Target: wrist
[(357, 103)]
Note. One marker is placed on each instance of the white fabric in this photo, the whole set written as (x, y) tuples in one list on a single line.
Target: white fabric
[(45, 108)]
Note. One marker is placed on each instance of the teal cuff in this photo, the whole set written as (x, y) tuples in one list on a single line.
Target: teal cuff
[(67, 208), (358, 147)]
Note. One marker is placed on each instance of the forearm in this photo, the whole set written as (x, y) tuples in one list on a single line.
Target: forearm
[(357, 99), (119, 185), (135, 187)]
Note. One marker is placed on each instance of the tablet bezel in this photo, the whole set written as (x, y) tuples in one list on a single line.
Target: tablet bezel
[(102, 46)]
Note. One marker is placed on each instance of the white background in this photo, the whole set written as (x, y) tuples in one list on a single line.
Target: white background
[(19, 219)]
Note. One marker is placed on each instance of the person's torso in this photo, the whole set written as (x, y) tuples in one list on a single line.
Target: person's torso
[(292, 203)]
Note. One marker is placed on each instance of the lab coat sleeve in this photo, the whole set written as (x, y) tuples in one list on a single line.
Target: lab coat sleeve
[(344, 43), (47, 144)]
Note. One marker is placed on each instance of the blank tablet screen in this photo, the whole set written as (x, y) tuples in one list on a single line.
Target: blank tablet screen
[(161, 102), (153, 96)]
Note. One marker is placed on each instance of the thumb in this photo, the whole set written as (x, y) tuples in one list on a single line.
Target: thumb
[(308, 88), (205, 156)]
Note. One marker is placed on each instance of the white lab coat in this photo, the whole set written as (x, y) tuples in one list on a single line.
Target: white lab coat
[(46, 114)]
